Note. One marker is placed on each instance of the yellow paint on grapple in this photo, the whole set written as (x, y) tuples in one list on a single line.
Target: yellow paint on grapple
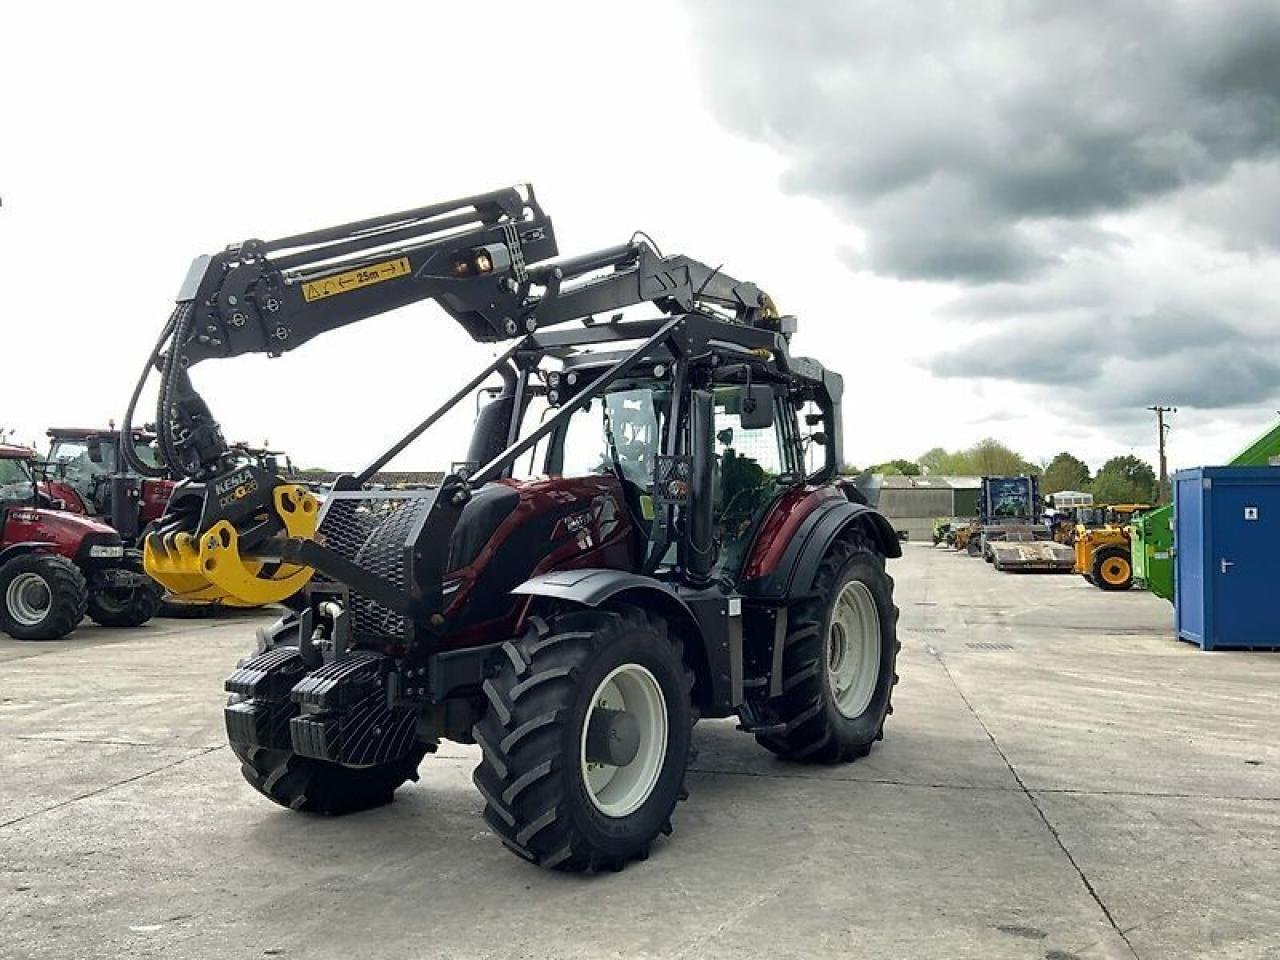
[(208, 568)]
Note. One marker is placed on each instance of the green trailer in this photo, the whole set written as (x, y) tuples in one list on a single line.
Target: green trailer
[(1152, 540)]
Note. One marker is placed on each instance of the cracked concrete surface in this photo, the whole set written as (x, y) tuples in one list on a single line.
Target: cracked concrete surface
[(1079, 785)]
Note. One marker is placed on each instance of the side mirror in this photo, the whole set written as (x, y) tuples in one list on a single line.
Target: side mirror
[(95, 450), (755, 408), (819, 438)]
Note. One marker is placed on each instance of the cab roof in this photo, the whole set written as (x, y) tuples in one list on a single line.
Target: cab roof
[(85, 433)]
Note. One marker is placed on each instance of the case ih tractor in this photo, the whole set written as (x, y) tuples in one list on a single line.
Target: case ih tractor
[(634, 539), (55, 566)]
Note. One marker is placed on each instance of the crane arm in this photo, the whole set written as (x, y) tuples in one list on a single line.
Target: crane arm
[(488, 260)]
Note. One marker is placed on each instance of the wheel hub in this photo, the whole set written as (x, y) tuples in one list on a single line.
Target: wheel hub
[(28, 599), (624, 740), (613, 737), (853, 649)]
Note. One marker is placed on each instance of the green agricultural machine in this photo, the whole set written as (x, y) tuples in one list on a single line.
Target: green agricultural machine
[(1152, 541)]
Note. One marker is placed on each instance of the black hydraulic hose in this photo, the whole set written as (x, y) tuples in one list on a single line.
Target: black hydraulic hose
[(130, 453), (165, 401)]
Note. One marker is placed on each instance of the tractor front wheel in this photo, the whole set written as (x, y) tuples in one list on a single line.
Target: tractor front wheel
[(839, 661), (111, 606), (1112, 568), (585, 739), (316, 786), (42, 597)]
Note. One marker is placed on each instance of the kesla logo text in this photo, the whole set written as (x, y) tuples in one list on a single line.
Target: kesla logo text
[(235, 487)]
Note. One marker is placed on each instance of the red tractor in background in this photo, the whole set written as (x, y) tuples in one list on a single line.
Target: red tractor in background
[(56, 565)]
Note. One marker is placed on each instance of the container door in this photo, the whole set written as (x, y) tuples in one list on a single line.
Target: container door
[(1246, 535), (1189, 559)]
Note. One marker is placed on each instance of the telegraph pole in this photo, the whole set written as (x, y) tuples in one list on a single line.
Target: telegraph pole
[(1162, 430)]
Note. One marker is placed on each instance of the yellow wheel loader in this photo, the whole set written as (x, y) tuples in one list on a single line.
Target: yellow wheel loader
[(1103, 553)]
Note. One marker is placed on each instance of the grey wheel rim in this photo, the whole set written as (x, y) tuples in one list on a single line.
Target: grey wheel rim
[(617, 791), (853, 649), (28, 599)]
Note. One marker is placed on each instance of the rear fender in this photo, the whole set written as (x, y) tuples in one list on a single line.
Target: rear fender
[(798, 569), (595, 587)]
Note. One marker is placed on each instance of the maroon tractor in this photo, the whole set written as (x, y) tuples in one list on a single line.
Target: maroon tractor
[(56, 566), (647, 529)]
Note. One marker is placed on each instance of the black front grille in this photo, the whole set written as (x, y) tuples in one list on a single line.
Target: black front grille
[(376, 531)]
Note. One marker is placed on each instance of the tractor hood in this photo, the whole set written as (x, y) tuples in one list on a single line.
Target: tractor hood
[(68, 532)]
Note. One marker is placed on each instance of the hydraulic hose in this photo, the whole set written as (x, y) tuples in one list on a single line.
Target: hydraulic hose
[(130, 453)]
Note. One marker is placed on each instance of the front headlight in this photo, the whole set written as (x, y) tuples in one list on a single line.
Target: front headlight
[(102, 551)]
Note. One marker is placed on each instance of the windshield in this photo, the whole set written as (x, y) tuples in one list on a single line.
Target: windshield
[(79, 468), (15, 481), (618, 433)]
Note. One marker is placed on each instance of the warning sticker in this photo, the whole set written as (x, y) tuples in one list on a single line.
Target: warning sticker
[(355, 279)]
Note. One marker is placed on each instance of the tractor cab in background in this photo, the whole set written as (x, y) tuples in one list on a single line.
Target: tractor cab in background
[(85, 470)]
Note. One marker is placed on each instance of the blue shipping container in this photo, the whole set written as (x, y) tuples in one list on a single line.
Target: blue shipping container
[(1227, 556)]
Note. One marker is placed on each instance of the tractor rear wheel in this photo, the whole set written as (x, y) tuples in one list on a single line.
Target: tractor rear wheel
[(42, 597), (124, 606), (839, 661), (1112, 568), (586, 739)]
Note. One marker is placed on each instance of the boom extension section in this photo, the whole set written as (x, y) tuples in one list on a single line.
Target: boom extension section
[(488, 260)]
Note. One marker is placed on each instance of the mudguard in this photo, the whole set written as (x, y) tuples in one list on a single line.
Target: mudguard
[(798, 568), (710, 660), (30, 546)]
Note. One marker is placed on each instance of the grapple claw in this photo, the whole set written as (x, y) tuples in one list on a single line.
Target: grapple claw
[(210, 569)]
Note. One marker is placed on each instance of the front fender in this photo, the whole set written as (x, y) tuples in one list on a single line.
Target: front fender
[(30, 546), (594, 586), (707, 652), (798, 568)]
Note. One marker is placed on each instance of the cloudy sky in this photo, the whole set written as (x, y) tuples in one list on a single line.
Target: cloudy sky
[(1020, 220)]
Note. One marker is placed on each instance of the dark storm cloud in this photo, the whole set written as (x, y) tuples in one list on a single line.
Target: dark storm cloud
[(951, 132), (1127, 362)]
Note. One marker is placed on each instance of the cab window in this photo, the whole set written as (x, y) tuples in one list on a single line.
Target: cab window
[(749, 462)]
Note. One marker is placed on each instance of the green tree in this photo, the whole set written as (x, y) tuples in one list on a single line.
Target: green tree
[(1125, 480), (940, 462), (1065, 472), (991, 458), (895, 468)]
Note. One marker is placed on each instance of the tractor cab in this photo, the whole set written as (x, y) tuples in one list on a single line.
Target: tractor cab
[(88, 473)]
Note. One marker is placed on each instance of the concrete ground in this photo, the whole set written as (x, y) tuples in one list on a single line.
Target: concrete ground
[(1061, 779)]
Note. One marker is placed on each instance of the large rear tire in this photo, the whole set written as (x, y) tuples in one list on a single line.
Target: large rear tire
[(1112, 569), (43, 596), (586, 739), (839, 662)]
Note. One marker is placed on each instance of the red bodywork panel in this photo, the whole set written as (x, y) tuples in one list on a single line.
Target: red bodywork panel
[(780, 526), (69, 495), (155, 497), (558, 524), (66, 531)]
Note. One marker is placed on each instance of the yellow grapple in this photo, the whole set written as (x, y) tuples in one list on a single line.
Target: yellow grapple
[(208, 568)]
